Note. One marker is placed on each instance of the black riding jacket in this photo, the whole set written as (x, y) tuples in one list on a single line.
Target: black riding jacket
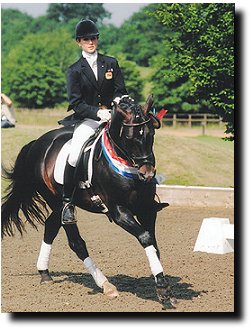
[(86, 94)]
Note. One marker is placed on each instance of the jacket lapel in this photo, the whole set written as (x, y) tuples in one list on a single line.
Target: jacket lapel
[(86, 69), (101, 69)]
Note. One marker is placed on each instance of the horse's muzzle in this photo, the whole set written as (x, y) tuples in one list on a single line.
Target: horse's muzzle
[(146, 172)]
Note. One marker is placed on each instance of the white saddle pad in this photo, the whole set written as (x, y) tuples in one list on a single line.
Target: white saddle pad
[(63, 155), (61, 162)]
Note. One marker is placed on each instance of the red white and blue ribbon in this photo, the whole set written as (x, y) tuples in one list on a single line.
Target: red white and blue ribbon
[(117, 163)]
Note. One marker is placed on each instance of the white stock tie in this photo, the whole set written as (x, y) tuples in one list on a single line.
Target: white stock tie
[(92, 61)]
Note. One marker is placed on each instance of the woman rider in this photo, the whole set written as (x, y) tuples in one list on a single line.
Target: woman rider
[(93, 83)]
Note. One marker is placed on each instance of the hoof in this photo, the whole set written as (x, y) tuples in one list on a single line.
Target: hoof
[(110, 290), (45, 277), (164, 292), (165, 297)]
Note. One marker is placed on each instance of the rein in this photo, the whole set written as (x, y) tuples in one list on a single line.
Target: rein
[(136, 124), (120, 149)]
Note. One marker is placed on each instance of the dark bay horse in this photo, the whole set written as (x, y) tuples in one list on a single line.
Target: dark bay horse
[(119, 182)]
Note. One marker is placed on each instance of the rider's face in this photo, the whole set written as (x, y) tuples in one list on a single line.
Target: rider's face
[(88, 45)]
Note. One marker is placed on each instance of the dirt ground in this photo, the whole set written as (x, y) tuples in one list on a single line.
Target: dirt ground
[(201, 282)]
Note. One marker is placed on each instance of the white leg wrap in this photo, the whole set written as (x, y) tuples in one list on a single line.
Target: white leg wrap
[(154, 261), (44, 255), (95, 272)]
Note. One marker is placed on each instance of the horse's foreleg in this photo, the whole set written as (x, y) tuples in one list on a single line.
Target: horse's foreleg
[(147, 217), (77, 244), (163, 288), (51, 228), (124, 218), (146, 237)]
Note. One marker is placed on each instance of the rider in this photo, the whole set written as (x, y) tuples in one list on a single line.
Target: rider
[(93, 83), (7, 112)]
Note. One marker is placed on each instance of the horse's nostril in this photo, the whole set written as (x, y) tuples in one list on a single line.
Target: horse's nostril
[(146, 172)]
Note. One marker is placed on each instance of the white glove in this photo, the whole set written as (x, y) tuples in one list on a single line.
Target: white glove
[(117, 99), (104, 114)]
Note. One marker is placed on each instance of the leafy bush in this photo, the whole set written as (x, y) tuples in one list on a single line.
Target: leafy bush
[(34, 71)]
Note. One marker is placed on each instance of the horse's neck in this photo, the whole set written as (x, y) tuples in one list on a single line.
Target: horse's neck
[(113, 133), (113, 143), (116, 158)]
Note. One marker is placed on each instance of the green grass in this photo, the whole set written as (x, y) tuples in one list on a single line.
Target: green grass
[(37, 117), (201, 160)]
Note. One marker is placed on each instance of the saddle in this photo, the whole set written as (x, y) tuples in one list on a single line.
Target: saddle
[(84, 167), (81, 167)]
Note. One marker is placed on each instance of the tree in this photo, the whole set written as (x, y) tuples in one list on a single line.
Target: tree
[(170, 89), (202, 40), (110, 40), (133, 82), (35, 74), (141, 36), (15, 26), (64, 12)]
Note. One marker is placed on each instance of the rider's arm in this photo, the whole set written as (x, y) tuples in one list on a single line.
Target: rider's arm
[(6, 100)]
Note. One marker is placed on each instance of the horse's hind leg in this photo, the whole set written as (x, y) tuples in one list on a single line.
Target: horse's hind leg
[(51, 228), (77, 244)]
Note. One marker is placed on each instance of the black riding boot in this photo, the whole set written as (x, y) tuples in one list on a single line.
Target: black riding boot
[(68, 211)]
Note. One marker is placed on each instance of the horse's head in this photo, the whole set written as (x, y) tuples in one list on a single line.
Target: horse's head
[(132, 130)]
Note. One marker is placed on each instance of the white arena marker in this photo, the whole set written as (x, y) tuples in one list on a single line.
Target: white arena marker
[(216, 236)]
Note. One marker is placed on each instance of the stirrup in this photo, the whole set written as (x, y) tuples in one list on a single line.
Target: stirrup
[(67, 215)]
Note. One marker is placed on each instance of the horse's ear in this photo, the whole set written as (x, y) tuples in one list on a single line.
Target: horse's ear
[(148, 105), (126, 116)]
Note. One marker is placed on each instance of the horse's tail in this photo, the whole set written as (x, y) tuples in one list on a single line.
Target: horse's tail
[(21, 195)]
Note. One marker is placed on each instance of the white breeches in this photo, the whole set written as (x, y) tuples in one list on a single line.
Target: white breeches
[(82, 132)]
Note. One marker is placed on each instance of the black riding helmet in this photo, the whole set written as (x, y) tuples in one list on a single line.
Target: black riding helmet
[(86, 29)]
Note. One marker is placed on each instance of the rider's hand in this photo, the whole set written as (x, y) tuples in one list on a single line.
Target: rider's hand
[(118, 99), (104, 114)]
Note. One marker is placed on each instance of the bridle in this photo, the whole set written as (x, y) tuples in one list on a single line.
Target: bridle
[(133, 160), (136, 124)]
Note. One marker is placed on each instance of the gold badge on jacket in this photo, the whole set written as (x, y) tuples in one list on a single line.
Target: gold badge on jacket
[(108, 74)]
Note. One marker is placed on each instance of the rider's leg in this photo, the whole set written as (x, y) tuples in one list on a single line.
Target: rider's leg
[(81, 133), (68, 216)]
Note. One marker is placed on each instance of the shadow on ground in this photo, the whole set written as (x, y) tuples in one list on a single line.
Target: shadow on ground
[(142, 287)]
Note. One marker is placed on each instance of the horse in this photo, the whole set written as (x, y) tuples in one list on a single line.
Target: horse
[(115, 176)]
